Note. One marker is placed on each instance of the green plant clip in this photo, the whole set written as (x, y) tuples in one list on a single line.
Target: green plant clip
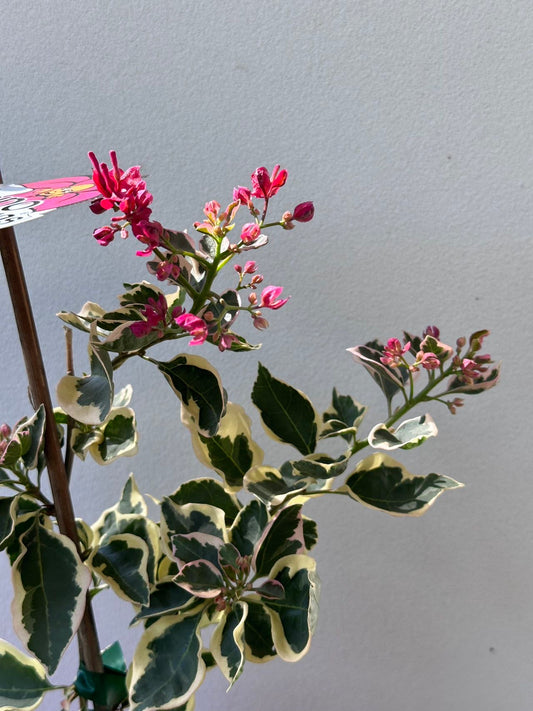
[(107, 688)]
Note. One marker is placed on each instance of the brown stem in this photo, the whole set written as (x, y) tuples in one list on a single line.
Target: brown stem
[(40, 394), (69, 452)]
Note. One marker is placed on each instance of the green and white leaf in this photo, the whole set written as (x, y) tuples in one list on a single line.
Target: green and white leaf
[(88, 399), (270, 486), (30, 434), (227, 642), (382, 483), (167, 666), (321, 466), (342, 418), (166, 597), (410, 433), (286, 413), (190, 518), (23, 680), (118, 438), (201, 578), (89, 312), (207, 491), (198, 385), (131, 500), (50, 583), (248, 527), (259, 645), (294, 617), (232, 451), (122, 562), (283, 536)]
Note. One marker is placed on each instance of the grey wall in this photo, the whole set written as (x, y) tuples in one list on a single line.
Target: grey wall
[(409, 125)]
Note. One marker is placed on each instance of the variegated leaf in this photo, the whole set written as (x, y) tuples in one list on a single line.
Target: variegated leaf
[(30, 433), (190, 518), (227, 642), (166, 597), (167, 666), (408, 434), (287, 414), (118, 437), (294, 617), (232, 451), (198, 385), (259, 645), (343, 417), (88, 399), (248, 527), (201, 578), (207, 491), (382, 483), (283, 536), (122, 562), (50, 583), (23, 680)]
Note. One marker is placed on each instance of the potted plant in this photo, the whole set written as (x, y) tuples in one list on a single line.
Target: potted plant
[(224, 574)]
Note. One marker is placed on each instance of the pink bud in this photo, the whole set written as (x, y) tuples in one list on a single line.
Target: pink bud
[(104, 235), (303, 212)]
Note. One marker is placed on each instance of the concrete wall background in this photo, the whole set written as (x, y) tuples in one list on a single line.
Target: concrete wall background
[(409, 125)]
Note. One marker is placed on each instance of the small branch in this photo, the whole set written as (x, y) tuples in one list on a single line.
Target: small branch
[(69, 453)]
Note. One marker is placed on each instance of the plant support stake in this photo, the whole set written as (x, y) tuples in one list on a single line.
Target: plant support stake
[(40, 394)]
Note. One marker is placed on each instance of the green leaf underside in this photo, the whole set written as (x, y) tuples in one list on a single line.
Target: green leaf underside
[(283, 536), (295, 614), (207, 491), (285, 412), (23, 680), (167, 666), (259, 646), (50, 584), (382, 483), (232, 458), (249, 526), (227, 645), (198, 386), (122, 562), (408, 434)]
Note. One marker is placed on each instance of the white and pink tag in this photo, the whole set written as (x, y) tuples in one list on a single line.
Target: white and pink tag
[(21, 203)]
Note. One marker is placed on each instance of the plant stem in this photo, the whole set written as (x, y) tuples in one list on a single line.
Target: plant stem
[(40, 394)]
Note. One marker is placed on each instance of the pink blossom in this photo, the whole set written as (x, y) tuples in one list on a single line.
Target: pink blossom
[(393, 353), (304, 212), (265, 186), (250, 232), (155, 313), (225, 341), (470, 370), (148, 233), (243, 195), (269, 298), (197, 327), (429, 361)]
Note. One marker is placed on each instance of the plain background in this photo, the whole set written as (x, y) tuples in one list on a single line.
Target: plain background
[(409, 125)]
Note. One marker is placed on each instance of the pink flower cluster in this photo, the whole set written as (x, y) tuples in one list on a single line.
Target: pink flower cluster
[(157, 319), (124, 192)]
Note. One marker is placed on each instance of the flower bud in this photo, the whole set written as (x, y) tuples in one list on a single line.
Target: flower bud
[(304, 212)]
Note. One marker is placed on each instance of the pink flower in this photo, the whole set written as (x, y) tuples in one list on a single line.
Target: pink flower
[(250, 232), (429, 361), (263, 185), (225, 341), (304, 212), (393, 353), (148, 233), (470, 370), (243, 195), (269, 298), (197, 327), (155, 313)]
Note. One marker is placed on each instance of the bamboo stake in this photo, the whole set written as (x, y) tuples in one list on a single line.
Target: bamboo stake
[(40, 394)]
